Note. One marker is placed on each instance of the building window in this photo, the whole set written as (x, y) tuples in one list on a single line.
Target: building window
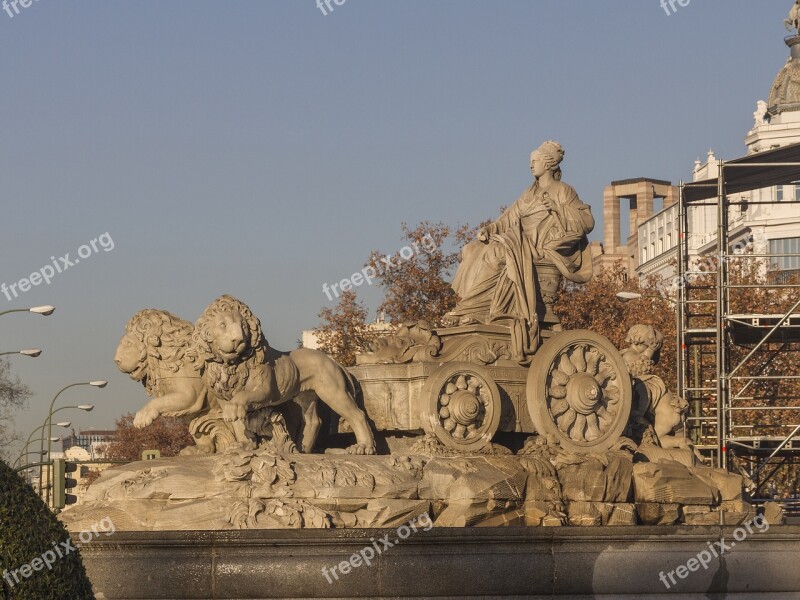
[(796, 191), (779, 193), (785, 246)]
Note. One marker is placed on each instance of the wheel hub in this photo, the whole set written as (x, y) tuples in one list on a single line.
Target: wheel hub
[(583, 393), (464, 407)]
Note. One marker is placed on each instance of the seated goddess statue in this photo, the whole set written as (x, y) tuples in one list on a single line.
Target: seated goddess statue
[(544, 231)]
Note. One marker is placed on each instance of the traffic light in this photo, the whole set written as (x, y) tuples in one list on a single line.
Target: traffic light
[(62, 483)]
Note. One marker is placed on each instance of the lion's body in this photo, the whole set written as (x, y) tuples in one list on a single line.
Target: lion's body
[(245, 373), (156, 350)]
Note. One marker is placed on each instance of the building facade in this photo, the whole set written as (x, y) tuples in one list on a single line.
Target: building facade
[(759, 227)]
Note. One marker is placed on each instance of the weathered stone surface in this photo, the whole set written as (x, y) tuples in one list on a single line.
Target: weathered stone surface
[(658, 513), (474, 477), (584, 514), (472, 513), (623, 514), (248, 489), (594, 514), (648, 452), (671, 483), (700, 515), (773, 513), (547, 514), (730, 485), (596, 478)]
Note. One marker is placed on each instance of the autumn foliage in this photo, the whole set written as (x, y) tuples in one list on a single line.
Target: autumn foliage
[(168, 435), (344, 331)]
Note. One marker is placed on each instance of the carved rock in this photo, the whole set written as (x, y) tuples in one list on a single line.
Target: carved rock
[(658, 513), (671, 483), (596, 478)]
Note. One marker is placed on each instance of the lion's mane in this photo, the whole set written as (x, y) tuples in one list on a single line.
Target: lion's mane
[(226, 379), (166, 342)]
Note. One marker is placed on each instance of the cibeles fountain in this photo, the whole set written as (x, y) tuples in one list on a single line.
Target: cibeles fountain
[(499, 419)]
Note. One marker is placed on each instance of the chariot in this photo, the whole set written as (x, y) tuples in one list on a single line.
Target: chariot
[(463, 386)]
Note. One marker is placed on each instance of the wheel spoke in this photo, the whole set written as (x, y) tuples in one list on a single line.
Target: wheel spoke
[(558, 391), (558, 407), (606, 372), (592, 429), (578, 358), (566, 420), (592, 361), (560, 377), (566, 366), (576, 433)]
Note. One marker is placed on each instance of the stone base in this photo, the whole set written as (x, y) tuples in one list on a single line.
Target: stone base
[(618, 562), (248, 489)]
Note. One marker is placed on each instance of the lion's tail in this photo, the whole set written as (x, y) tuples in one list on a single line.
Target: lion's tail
[(353, 386)]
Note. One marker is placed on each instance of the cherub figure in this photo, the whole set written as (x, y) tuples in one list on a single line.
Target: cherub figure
[(657, 413)]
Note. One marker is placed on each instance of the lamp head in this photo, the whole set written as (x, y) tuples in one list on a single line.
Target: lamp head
[(99, 384), (33, 352), (626, 296), (43, 310)]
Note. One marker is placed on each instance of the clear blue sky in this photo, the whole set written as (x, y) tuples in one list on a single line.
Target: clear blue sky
[(260, 148)]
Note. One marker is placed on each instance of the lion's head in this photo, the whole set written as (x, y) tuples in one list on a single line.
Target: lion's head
[(154, 339), (228, 340), (227, 332)]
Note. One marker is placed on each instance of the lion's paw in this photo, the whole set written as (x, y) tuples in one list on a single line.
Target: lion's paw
[(233, 412), (361, 449), (145, 417)]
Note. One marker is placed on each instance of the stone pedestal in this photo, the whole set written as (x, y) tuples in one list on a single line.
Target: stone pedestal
[(509, 562)]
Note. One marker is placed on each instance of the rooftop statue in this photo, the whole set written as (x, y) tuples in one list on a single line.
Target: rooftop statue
[(793, 22), (537, 241)]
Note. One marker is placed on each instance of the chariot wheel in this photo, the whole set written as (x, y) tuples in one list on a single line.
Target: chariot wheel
[(579, 389), (463, 406)]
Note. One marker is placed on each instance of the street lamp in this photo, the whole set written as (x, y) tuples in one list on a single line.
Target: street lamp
[(39, 310), (26, 452), (98, 384), (33, 352), (628, 296)]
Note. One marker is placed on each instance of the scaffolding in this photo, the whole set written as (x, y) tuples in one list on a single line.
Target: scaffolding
[(730, 353)]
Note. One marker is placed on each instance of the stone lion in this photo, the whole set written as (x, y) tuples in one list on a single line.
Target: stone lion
[(156, 350), (241, 369)]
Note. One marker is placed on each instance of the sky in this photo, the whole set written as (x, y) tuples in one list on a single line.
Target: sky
[(262, 148)]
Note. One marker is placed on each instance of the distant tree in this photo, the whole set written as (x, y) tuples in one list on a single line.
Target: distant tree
[(416, 279), (13, 394), (168, 435), (344, 331)]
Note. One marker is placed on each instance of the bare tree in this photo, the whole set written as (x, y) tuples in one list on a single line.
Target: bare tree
[(13, 394)]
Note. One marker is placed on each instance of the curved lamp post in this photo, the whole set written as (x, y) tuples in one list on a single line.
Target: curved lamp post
[(38, 310), (33, 352), (49, 423), (26, 452)]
